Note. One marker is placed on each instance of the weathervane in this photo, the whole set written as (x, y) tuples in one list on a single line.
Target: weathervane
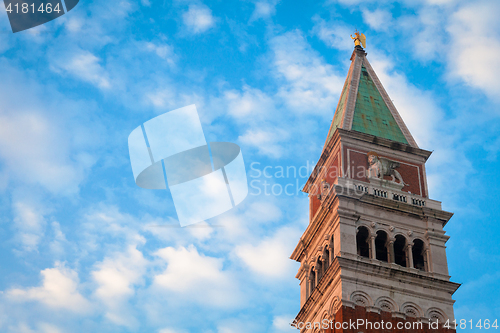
[(360, 39)]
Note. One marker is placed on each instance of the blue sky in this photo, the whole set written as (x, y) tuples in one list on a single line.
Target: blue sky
[(85, 250)]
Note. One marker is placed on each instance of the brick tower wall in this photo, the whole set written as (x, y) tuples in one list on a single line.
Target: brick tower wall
[(385, 321)]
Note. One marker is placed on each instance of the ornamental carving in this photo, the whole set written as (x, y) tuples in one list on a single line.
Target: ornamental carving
[(411, 310), (361, 298), (386, 304), (378, 167), (324, 189)]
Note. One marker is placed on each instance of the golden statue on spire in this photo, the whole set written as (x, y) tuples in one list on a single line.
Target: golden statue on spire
[(360, 39)]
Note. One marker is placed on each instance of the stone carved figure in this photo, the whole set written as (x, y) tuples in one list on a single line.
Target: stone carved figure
[(378, 167)]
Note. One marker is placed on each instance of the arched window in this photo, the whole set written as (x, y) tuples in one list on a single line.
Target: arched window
[(400, 250), (381, 246), (418, 254), (362, 242)]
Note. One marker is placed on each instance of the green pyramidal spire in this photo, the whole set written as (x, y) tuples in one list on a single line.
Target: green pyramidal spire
[(371, 114), (364, 105)]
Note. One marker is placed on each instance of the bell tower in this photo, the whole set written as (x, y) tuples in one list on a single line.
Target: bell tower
[(373, 253)]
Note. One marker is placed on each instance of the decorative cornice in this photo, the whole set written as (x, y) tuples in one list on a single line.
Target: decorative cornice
[(396, 314), (413, 276), (422, 212), (373, 309), (394, 145)]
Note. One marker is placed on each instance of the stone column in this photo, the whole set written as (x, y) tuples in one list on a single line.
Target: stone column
[(308, 284), (373, 253), (390, 250), (332, 252), (409, 256), (322, 267), (426, 260), (316, 276), (313, 282)]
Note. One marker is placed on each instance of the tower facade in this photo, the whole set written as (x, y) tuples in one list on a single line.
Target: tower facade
[(373, 256)]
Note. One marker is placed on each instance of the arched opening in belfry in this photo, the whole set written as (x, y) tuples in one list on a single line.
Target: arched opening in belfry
[(381, 246), (362, 242), (418, 254), (400, 250)]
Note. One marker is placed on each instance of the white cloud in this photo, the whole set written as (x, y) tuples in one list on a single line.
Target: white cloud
[(475, 33), (162, 50), (116, 277), (308, 84), (353, 2), (74, 24), (250, 222), (249, 105), (270, 257), (198, 19), (264, 9), (21, 328), (196, 277), (333, 34), (201, 230), (265, 141), (378, 19), (42, 327), (169, 97), (102, 221), (237, 326), (282, 323), (441, 2), (262, 212), (250, 108), (100, 24), (162, 98), (170, 330), (59, 239), (36, 150), (424, 31), (59, 290), (421, 31), (85, 66), (48, 328), (30, 223), (44, 136)]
